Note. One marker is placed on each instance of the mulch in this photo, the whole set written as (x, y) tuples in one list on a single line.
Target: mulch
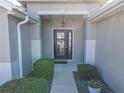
[(82, 85)]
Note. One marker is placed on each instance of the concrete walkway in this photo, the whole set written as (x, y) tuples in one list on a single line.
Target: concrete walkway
[(63, 81)]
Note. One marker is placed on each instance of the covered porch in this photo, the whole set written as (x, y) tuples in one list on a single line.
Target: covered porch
[(66, 36)]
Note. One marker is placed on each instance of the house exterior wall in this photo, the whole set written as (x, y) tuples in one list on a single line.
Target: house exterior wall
[(78, 37), (36, 41), (40, 1), (110, 50), (12, 25), (90, 42), (34, 8), (5, 59), (26, 47)]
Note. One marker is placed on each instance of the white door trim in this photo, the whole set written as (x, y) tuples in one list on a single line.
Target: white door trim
[(72, 42)]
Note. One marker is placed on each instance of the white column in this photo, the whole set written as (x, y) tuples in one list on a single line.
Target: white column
[(90, 41), (36, 42)]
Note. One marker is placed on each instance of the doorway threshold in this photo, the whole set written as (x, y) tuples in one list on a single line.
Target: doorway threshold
[(61, 62)]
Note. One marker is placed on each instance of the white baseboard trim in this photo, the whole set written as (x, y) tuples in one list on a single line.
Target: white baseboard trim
[(5, 72), (90, 52)]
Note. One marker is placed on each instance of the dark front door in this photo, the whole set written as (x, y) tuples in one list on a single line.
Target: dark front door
[(62, 44)]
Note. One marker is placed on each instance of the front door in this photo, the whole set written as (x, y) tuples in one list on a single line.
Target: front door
[(62, 44)]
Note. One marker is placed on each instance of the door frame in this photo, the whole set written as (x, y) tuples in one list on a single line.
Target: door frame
[(72, 29)]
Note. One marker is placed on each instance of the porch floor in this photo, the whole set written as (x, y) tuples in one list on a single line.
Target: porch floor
[(63, 81)]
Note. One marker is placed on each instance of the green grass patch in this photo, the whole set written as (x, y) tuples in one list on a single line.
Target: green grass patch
[(44, 68), (26, 85), (87, 72)]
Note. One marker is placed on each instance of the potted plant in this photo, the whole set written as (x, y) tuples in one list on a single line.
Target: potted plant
[(94, 86)]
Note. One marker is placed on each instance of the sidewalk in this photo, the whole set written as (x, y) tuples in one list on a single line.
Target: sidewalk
[(63, 81)]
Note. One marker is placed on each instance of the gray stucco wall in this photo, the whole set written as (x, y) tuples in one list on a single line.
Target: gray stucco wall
[(110, 51), (33, 8), (4, 36), (78, 36), (5, 59), (36, 42), (26, 47), (90, 42), (12, 22)]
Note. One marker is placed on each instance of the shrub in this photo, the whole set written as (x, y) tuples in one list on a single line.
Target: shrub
[(27, 85), (95, 84), (87, 72), (44, 68)]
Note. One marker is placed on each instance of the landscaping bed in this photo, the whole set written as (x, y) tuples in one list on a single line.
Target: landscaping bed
[(87, 72), (84, 74)]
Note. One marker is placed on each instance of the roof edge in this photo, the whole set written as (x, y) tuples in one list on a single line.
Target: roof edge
[(18, 12), (109, 10), (21, 15)]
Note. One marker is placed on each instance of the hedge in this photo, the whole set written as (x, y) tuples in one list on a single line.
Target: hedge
[(87, 72), (26, 85), (44, 68)]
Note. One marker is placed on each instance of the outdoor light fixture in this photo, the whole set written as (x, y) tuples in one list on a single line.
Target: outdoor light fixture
[(63, 21)]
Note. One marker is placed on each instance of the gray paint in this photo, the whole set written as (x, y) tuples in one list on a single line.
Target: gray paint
[(5, 59), (58, 1), (26, 49), (33, 8), (90, 39), (9, 47), (110, 51), (47, 36), (90, 33), (4, 37), (36, 42), (35, 31), (12, 22)]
